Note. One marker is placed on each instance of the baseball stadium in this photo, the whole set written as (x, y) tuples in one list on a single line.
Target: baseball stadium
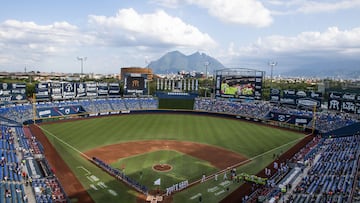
[(84, 142)]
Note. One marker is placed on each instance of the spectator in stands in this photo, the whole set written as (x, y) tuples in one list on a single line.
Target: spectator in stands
[(3, 160), (7, 193), (25, 198)]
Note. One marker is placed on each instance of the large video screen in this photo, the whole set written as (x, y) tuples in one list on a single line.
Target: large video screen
[(237, 86)]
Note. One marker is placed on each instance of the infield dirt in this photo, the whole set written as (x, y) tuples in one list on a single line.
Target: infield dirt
[(219, 157)]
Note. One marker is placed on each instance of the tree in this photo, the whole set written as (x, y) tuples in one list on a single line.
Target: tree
[(30, 89)]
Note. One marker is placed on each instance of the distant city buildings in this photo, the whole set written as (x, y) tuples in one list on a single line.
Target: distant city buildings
[(45, 76)]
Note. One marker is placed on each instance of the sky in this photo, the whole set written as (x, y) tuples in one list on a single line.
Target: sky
[(50, 36)]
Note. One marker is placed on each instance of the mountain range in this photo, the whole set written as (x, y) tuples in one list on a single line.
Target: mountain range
[(346, 69), (175, 61)]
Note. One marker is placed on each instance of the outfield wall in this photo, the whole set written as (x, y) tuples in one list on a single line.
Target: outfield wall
[(181, 111), (232, 116)]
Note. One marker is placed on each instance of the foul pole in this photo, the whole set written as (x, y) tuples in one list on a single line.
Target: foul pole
[(34, 107), (314, 119)]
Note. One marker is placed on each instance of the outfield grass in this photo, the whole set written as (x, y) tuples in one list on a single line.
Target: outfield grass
[(253, 141)]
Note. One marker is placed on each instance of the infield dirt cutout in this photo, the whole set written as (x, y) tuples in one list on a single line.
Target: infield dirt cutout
[(219, 157)]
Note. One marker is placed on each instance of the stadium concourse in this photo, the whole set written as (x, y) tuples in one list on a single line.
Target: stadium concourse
[(326, 169)]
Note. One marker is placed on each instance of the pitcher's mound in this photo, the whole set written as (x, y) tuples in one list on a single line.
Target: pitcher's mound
[(162, 167)]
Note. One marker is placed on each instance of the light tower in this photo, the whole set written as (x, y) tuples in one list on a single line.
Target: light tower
[(82, 59), (272, 64), (148, 74), (207, 63)]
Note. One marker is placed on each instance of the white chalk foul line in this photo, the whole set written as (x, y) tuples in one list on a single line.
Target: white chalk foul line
[(83, 168), (195, 196), (65, 143), (220, 192)]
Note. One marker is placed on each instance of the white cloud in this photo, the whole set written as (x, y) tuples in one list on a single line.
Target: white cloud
[(300, 6), (331, 41), (56, 45), (45, 39), (30, 44), (245, 12), (128, 27), (167, 3), (314, 7)]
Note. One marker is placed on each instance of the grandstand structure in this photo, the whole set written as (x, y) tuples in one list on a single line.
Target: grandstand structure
[(326, 169)]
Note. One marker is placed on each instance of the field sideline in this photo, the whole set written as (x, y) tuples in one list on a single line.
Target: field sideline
[(247, 139)]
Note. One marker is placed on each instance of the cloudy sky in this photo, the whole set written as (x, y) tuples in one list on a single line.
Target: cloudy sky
[(48, 36)]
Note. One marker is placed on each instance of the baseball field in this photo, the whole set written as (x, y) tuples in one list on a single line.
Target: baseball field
[(186, 146)]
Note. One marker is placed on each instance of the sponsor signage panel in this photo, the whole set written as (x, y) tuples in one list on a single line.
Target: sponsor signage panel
[(12, 92), (345, 102), (288, 118)]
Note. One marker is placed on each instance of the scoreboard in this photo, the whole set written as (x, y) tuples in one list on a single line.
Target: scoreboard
[(135, 84)]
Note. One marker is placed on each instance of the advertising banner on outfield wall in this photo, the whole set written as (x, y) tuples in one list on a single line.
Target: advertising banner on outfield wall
[(80, 90), (102, 89), (12, 92), (300, 98), (49, 112), (66, 90), (288, 118), (114, 89), (348, 106), (91, 89), (56, 90), (274, 95), (42, 91), (344, 102), (357, 107)]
